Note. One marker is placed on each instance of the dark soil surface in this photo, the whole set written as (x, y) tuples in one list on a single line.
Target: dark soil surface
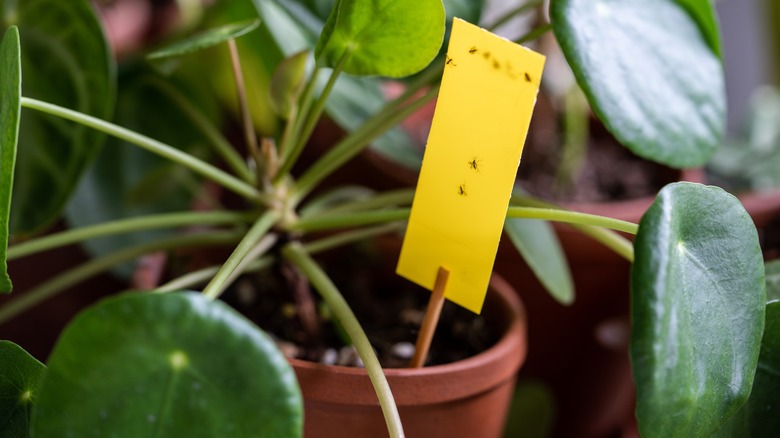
[(608, 171), (389, 307)]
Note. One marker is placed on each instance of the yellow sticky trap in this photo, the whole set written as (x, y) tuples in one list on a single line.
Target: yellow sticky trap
[(487, 95)]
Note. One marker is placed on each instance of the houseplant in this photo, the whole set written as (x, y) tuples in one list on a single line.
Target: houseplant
[(681, 246)]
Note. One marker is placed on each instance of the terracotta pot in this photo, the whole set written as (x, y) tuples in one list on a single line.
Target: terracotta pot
[(469, 398), (764, 208)]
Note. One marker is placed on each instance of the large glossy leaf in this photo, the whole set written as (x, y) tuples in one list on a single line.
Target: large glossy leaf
[(20, 377), (127, 181), (698, 298), (704, 13), (649, 72), (172, 365), (537, 243), (393, 38), (760, 416), (10, 107), (206, 39), (66, 61)]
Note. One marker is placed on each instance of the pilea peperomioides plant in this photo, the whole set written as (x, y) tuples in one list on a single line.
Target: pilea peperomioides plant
[(182, 363)]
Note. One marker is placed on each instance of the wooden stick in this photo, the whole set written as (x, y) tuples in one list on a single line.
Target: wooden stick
[(430, 320)]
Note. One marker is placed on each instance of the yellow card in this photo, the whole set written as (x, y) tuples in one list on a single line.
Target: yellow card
[(487, 95)]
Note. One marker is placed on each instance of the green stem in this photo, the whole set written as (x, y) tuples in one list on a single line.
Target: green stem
[(552, 214), (376, 125), (262, 247), (576, 132), (313, 117), (609, 238), (297, 120), (513, 13), (393, 198), (213, 135), (169, 220), (612, 240), (361, 199), (57, 284), (337, 196), (246, 116), (193, 279), (201, 167), (296, 254), (355, 142), (258, 230), (357, 218), (352, 236), (351, 219), (534, 33)]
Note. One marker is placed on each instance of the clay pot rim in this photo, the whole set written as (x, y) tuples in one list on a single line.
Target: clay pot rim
[(631, 209), (452, 381)]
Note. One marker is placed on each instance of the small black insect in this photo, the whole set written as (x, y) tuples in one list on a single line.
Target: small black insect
[(449, 61), (474, 163), (473, 50), (496, 64), (462, 190), (527, 77)]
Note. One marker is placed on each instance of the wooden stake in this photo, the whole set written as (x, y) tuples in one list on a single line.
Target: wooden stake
[(430, 320)]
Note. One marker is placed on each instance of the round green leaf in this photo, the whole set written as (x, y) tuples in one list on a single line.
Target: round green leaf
[(539, 246), (173, 365), (760, 416), (20, 377), (206, 39), (698, 297), (649, 73), (10, 107), (393, 38), (66, 61)]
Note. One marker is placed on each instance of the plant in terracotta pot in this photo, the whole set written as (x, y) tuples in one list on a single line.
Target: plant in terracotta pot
[(177, 362), (179, 354), (658, 92)]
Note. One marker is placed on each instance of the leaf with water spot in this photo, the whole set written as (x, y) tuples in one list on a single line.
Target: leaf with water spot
[(697, 304), (20, 377), (173, 365)]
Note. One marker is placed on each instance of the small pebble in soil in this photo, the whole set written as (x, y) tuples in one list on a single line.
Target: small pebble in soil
[(288, 349), (412, 316), (329, 357), (288, 310), (348, 357), (403, 350), (246, 292)]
